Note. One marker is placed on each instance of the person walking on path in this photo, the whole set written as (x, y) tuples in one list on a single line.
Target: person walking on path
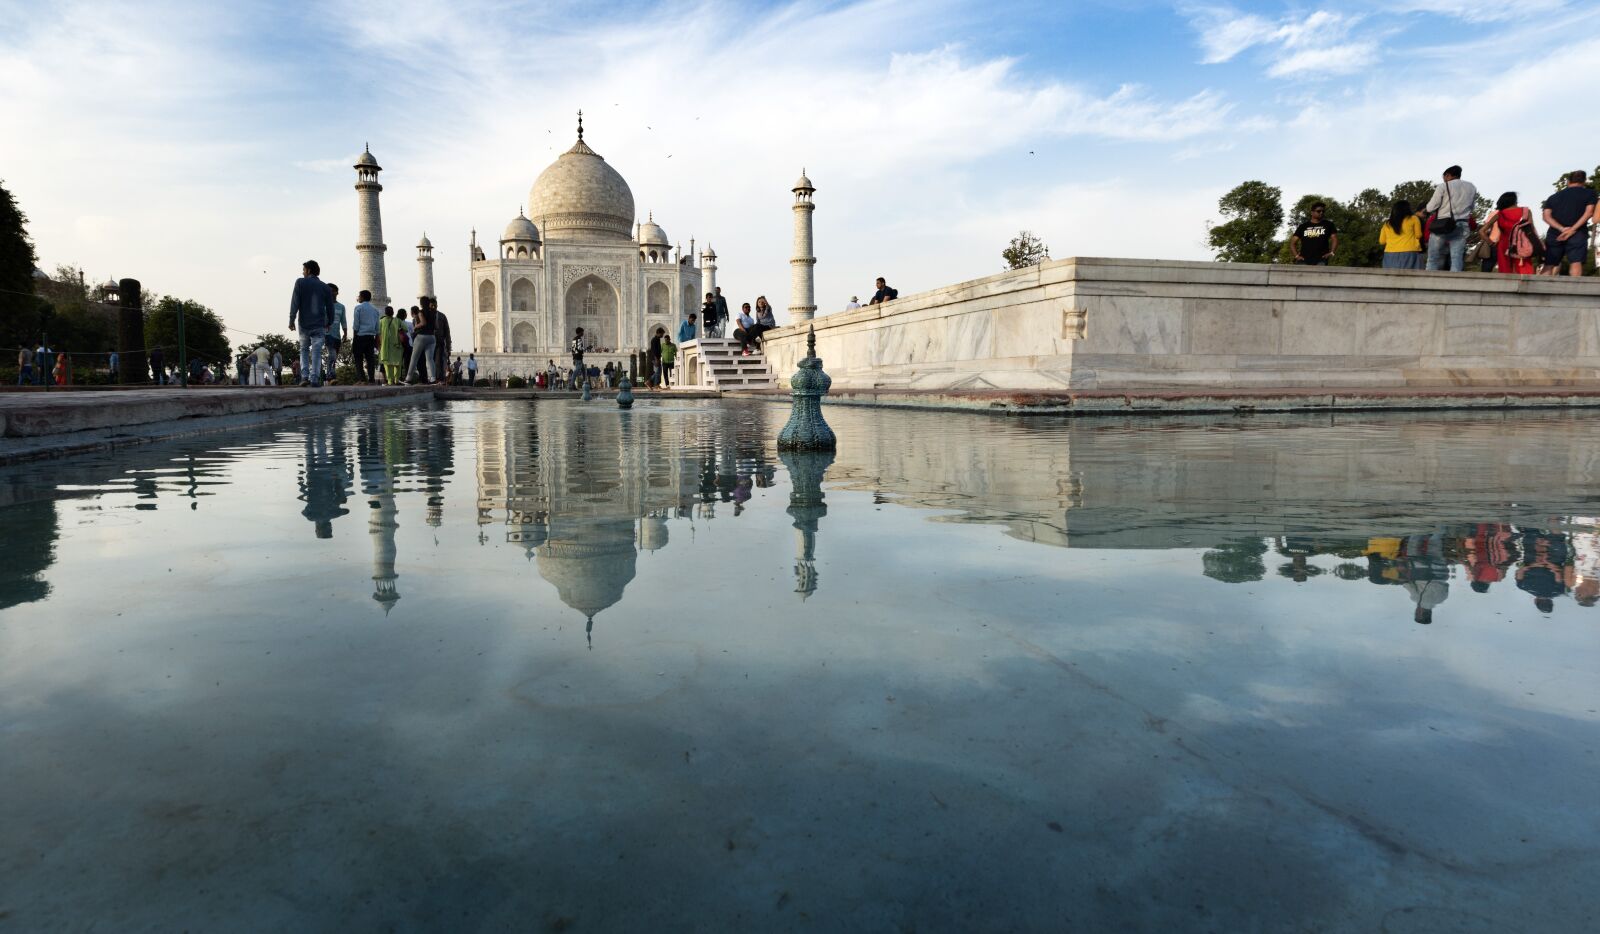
[(686, 330), (311, 309), (422, 347), (472, 369), (158, 368), (24, 366), (113, 365), (389, 354), (41, 362), (365, 328), (1510, 228), (1401, 238), (1316, 240), (654, 378), (577, 346), (669, 356), (337, 329), (1568, 213), (1449, 215)]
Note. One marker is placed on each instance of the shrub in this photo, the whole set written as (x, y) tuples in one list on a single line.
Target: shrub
[(516, 382)]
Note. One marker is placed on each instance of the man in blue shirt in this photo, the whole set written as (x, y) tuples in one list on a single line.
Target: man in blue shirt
[(686, 330), (311, 308), (365, 328)]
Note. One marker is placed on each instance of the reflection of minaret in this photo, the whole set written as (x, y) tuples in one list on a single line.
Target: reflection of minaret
[(369, 229), (806, 470), (382, 525)]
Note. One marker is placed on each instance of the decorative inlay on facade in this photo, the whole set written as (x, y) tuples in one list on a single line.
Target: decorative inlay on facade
[(571, 274)]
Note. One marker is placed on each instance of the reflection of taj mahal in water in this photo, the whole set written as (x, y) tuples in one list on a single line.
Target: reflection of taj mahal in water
[(579, 258)]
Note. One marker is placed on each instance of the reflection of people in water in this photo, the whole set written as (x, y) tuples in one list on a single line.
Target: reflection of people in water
[(1426, 574), (1547, 570), (1487, 554), (741, 493), (322, 481), (1586, 563)]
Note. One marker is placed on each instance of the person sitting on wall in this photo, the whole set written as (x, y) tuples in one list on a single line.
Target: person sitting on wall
[(884, 293), (742, 332)]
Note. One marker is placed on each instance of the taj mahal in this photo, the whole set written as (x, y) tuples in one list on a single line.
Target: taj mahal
[(576, 257)]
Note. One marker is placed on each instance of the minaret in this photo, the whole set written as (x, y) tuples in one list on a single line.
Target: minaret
[(708, 265), (425, 267), (802, 285), (369, 231)]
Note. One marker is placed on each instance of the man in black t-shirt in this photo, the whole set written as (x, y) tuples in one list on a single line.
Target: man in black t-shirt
[(1568, 213), (1316, 239)]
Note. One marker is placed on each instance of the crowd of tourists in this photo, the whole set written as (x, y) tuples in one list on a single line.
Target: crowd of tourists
[(1434, 235)]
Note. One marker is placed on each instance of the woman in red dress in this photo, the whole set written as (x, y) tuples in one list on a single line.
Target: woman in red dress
[(1500, 225)]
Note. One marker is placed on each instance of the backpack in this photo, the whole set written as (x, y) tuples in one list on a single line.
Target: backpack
[(1521, 245)]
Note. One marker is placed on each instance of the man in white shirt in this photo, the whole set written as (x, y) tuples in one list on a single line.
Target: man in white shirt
[(854, 304), (1452, 205)]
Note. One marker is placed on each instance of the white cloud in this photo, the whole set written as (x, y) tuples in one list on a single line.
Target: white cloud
[(1297, 45)]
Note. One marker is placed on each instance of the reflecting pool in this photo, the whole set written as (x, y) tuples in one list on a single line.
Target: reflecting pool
[(552, 666)]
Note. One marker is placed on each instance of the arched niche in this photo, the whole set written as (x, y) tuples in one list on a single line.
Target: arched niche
[(486, 339), (522, 295), (486, 304), (592, 304), (522, 338)]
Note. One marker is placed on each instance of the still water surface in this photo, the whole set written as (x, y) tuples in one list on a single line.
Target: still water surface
[(518, 666)]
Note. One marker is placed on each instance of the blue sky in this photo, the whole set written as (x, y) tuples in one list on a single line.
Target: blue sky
[(206, 149)]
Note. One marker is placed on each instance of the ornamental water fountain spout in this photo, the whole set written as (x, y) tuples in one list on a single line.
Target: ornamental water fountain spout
[(586, 395), (806, 506), (625, 393), (806, 430)]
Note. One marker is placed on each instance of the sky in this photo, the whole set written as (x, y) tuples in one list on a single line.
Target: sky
[(206, 149)]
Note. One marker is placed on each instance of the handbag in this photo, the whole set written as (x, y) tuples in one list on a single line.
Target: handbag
[(1444, 226)]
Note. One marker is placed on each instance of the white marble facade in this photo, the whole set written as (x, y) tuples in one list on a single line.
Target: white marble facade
[(577, 258)]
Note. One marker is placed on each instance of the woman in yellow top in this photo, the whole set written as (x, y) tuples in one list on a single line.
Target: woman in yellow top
[(1401, 238), (389, 352)]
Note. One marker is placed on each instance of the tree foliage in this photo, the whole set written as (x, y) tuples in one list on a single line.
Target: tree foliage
[(19, 309), (203, 331), (1254, 212), (1025, 250)]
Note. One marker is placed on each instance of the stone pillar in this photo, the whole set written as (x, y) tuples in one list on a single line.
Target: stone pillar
[(708, 275), (802, 288), (132, 364), (369, 230)]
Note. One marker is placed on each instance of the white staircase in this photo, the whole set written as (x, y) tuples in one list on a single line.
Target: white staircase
[(718, 364)]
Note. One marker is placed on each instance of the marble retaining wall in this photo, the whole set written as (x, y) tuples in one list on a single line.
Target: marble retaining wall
[(1090, 323)]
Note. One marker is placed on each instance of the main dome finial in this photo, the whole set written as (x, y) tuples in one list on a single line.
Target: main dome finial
[(580, 124)]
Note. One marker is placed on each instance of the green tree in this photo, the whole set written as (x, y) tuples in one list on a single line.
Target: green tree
[(203, 330), (1236, 562), (73, 317), (1025, 250), (20, 311), (1254, 212)]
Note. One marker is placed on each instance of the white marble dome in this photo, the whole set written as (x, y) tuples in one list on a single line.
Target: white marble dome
[(651, 234), (520, 228), (581, 197)]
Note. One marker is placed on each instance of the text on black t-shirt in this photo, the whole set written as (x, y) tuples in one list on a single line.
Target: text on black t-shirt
[(1315, 236)]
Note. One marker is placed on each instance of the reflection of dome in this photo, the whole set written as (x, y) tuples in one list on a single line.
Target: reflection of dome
[(579, 196), (589, 575), (651, 234), (520, 228)]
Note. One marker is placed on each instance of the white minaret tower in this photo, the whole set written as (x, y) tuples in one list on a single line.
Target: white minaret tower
[(708, 266), (369, 230), (425, 267), (802, 284)]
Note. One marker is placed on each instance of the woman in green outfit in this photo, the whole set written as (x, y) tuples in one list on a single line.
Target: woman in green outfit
[(389, 346)]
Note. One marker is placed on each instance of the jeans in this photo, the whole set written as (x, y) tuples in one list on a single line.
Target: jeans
[(25, 375), (422, 357), (331, 361), (1455, 241), (366, 354), (311, 355)]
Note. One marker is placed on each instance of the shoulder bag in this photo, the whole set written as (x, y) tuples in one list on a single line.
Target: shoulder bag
[(1446, 225)]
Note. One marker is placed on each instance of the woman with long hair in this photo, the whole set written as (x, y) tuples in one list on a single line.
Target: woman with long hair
[(1401, 238), (422, 344), (1516, 251), (389, 354)]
